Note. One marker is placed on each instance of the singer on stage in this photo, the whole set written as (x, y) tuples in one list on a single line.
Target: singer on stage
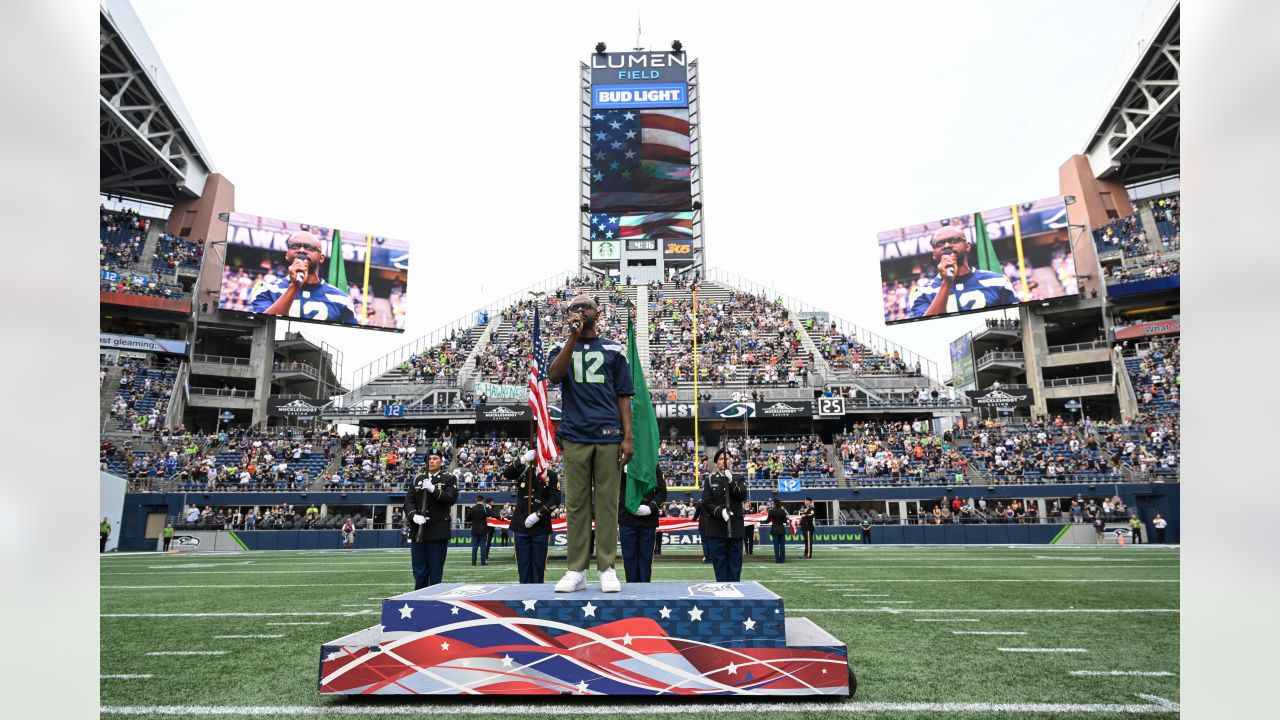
[(301, 293), (958, 287)]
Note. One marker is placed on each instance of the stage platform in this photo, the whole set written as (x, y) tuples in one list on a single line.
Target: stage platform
[(686, 639)]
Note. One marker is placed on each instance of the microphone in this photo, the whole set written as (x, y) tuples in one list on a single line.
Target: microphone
[(951, 271), (301, 275)]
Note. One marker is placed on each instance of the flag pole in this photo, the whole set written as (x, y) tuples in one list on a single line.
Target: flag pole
[(697, 482), (1017, 240)]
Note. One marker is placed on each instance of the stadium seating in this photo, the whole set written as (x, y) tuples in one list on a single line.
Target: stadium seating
[(1156, 373)]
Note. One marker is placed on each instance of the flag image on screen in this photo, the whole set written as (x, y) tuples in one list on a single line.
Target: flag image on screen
[(647, 226), (640, 161)]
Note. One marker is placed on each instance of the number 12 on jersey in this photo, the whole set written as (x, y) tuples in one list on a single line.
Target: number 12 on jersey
[(593, 359)]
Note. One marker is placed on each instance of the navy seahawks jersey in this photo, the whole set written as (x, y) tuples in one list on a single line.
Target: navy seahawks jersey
[(598, 375), (322, 302), (975, 291)]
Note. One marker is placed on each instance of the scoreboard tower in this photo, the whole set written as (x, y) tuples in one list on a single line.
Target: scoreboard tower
[(640, 203)]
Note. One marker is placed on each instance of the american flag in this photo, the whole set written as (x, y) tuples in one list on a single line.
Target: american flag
[(655, 226), (546, 450), (640, 160)]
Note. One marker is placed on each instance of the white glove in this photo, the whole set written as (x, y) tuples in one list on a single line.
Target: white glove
[(643, 511), (528, 457), (532, 520), (430, 486), (420, 519), (725, 514)]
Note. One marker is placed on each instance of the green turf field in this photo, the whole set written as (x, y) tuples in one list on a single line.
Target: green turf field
[(937, 631)]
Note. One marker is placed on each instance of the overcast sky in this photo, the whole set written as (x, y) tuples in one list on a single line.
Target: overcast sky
[(457, 129)]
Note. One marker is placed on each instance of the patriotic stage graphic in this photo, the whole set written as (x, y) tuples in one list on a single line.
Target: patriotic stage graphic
[(651, 639)]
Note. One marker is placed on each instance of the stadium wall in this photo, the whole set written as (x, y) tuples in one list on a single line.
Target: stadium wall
[(1149, 498)]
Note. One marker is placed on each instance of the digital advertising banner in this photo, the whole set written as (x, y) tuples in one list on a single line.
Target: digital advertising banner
[(314, 273), (962, 377), (639, 80), (986, 260)]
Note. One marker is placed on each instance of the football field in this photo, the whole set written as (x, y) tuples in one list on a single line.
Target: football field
[(933, 631)]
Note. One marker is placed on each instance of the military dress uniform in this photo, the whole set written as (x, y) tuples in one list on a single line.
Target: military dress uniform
[(806, 528), (724, 492), (533, 495), (778, 532), (429, 542), (638, 533)]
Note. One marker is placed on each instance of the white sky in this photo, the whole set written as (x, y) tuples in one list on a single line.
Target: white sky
[(457, 129)]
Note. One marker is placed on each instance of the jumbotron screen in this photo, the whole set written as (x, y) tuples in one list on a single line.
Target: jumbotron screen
[(986, 260), (314, 273)]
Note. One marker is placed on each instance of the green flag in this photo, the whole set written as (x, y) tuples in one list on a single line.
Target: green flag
[(986, 252), (642, 471), (337, 268)]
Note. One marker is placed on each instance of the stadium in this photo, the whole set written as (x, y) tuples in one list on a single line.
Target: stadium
[(1013, 514)]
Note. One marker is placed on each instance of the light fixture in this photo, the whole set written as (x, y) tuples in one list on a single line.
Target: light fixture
[(600, 47), (677, 45)]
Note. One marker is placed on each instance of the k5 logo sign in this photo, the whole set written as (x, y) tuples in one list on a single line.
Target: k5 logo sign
[(679, 247)]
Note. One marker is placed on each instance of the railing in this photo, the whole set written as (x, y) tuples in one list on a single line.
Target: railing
[(220, 359), (463, 324), (1077, 347), (999, 356), (221, 392), (854, 332), (308, 370), (1085, 380)]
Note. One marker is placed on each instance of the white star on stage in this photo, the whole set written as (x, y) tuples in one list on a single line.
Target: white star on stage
[(824, 671), (665, 612), (749, 624), (626, 639), (406, 612), (776, 611), (732, 669), (334, 655), (582, 686), (588, 610), (528, 604), (444, 646), (695, 614), (453, 610), (506, 661)]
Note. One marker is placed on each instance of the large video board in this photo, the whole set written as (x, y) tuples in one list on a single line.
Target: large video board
[(986, 260), (314, 273)]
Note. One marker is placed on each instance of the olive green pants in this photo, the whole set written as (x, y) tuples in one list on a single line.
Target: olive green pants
[(588, 466)]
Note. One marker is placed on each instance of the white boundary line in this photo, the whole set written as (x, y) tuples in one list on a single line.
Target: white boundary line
[(234, 614), (125, 677), (1151, 704), (1043, 650), (763, 581), (997, 611), (1134, 673), (187, 652), (508, 570)]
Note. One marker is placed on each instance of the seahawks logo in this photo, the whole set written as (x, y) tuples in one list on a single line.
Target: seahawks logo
[(736, 410)]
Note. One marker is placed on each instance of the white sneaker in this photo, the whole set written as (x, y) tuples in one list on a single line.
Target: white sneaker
[(573, 580), (609, 581)]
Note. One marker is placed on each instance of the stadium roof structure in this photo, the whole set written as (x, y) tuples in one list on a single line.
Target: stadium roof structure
[(1138, 137), (148, 145)]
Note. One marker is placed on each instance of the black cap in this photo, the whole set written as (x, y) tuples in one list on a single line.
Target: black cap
[(720, 452), (435, 451), (809, 499)]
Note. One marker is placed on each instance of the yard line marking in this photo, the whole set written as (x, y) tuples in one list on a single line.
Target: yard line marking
[(233, 614), (1151, 704), (886, 602), (867, 595), (852, 586), (125, 677), (991, 580), (247, 637), (188, 652), (321, 622), (1135, 673), (946, 620), (1065, 611), (987, 632), (1043, 650)]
